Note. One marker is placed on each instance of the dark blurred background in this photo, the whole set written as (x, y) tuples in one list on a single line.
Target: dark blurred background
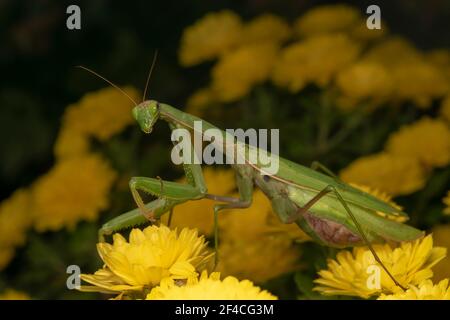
[(118, 39)]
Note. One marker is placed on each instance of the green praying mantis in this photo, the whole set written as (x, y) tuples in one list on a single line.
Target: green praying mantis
[(330, 211)]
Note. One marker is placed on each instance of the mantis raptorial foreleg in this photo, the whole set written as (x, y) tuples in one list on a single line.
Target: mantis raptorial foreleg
[(195, 189), (179, 192), (134, 217), (169, 195)]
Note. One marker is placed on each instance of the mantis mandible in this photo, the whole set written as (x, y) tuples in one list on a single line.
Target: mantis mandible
[(330, 211)]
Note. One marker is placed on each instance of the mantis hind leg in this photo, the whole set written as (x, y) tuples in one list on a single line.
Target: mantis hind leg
[(301, 211)]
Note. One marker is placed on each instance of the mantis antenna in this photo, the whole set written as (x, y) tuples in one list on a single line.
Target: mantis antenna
[(150, 74), (112, 84)]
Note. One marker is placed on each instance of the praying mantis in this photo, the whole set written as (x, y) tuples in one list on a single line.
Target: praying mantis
[(330, 211)]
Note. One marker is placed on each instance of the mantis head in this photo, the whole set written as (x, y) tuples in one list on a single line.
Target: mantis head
[(146, 114)]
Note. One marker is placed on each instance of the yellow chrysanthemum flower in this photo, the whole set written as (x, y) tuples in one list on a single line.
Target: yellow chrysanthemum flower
[(210, 288), (427, 140), (11, 294), (101, 114), (238, 71), (415, 79), (424, 291), (247, 233), (315, 60), (74, 189), (151, 255), (14, 221), (419, 82), (265, 28), (441, 237), (327, 19), (410, 264), (445, 109), (392, 52), (210, 37), (394, 175), (364, 82)]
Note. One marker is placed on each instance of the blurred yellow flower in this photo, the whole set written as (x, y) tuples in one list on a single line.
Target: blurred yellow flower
[(15, 219), (71, 143), (11, 294), (100, 114), (427, 140), (210, 37), (238, 71), (392, 52), (265, 28), (199, 214), (256, 221), (392, 174), (424, 291), (327, 19), (415, 79), (364, 82), (266, 257), (441, 237), (151, 255), (410, 263), (315, 60), (445, 109), (210, 288), (74, 189), (199, 101), (256, 236), (419, 82)]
